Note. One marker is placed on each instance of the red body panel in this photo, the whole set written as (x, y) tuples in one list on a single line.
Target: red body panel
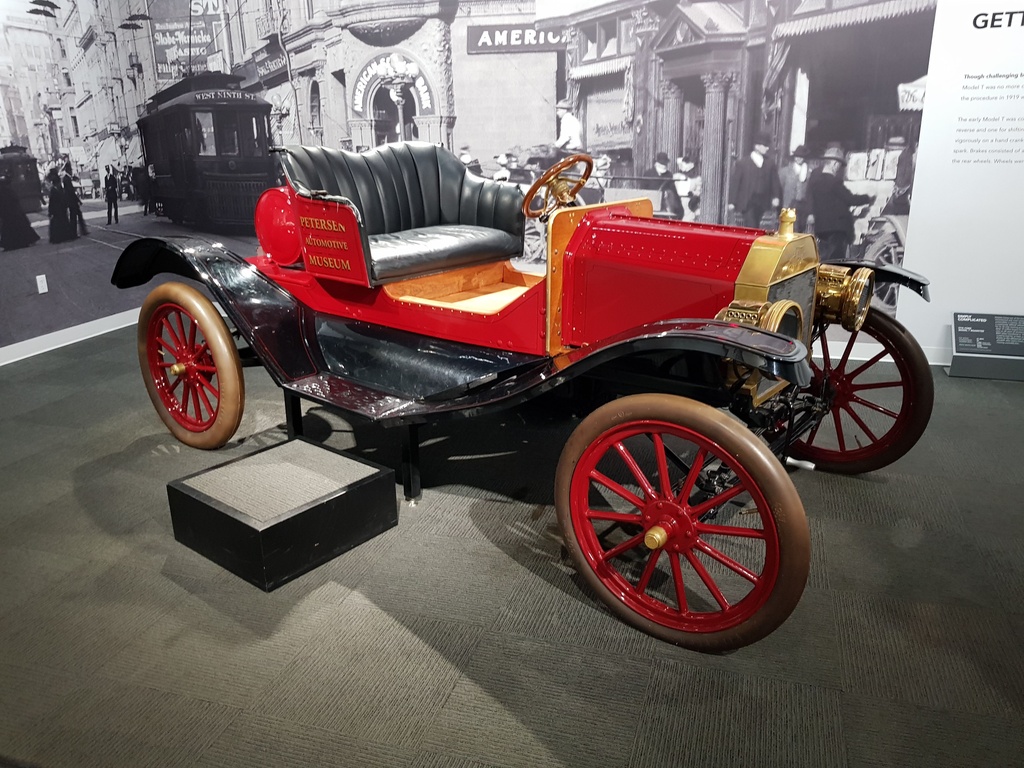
[(622, 272), (518, 327)]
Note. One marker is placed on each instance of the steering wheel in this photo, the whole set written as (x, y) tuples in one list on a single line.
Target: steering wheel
[(558, 190)]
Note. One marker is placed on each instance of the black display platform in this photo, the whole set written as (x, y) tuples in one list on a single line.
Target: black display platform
[(277, 513)]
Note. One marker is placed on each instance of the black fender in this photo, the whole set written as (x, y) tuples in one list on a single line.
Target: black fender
[(261, 310), (887, 273), (773, 354)]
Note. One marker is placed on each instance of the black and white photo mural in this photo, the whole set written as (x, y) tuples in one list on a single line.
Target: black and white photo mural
[(719, 111)]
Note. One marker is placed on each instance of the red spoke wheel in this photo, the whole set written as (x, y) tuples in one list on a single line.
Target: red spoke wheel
[(880, 406), (682, 522), (191, 366)]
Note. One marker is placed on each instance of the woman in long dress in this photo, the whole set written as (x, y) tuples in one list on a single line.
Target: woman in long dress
[(61, 227)]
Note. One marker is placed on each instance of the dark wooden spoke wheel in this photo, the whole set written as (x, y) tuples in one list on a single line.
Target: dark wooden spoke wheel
[(880, 407), (682, 522), (191, 366)]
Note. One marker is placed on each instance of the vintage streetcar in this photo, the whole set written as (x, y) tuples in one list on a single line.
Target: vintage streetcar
[(208, 143), (386, 287), (22, 170)]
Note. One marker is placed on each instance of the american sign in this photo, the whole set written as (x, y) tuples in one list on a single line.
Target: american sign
[(513, 38)]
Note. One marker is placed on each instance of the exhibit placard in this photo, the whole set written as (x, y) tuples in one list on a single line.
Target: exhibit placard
[(988, 346), (988, 334)]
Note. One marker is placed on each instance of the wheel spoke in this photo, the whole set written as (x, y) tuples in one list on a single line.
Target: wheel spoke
[(876, 385), (709, 582), (860, 423), (846, 353), (716, 501), (645, 577), (177, 381), (206, 401), (625, 546), (637, 472), (691, 477), (181, 326), (617, 489), (166, 323), (659, 450), (205, 368), (168, 347), (209, 385), (728, 562), (836, 418), (813, 433), (826, 359), (730, 530), (677, 578), (186, 395), (864, 366), (874, 407), (193, 328), (614, 517)]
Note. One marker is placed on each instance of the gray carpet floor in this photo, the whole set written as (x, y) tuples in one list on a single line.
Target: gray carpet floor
[(461, 638)]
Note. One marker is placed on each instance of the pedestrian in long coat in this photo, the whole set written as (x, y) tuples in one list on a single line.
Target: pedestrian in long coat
[(74, 206)]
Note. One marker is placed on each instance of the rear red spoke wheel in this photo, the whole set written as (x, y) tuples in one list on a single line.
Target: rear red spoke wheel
[(709, 550), (174, 333), (878, 408), (190, 365)]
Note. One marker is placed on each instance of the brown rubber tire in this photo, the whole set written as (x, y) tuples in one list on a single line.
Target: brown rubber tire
[(221, 423), (732, 441)]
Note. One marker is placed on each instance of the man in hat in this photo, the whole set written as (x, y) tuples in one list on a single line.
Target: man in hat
[(111, 192), (794, 178), (661, 179), (570, 132), (830, 202), (754, 186)]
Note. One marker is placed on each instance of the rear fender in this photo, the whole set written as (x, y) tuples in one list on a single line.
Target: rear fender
[(887, 273), (269, 319)]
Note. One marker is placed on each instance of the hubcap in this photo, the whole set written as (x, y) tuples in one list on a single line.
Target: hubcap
[(656, 537)]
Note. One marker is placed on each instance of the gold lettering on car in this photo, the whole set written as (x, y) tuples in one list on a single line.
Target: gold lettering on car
[(329, 262), (320, 242), (327, 225)]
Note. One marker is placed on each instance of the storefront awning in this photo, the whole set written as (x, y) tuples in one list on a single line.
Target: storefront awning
[(108, 153), (805, 21), (600, 68), (134, 152), (556, 9)]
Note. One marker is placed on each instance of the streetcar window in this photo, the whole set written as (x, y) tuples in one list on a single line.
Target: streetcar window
[(253, 138), (227, 133), (205, 138)]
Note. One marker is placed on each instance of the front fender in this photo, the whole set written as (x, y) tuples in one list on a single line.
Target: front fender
[(774, 354), (269, 318), (889, 273)]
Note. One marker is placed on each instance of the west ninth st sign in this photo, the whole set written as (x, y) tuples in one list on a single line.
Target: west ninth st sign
[(513, 38)]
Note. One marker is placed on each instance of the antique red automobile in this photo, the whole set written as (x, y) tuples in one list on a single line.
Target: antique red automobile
[(386, 286)]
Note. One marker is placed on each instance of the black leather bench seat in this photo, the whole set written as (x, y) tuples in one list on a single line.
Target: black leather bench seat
[(420, 208), (407, 254)]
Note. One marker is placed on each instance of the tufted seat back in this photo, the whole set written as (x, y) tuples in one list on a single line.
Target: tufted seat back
[(405, 186), (414, 198)]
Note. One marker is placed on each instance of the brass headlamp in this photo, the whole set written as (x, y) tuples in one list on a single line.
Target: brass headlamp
[(844, 297)]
